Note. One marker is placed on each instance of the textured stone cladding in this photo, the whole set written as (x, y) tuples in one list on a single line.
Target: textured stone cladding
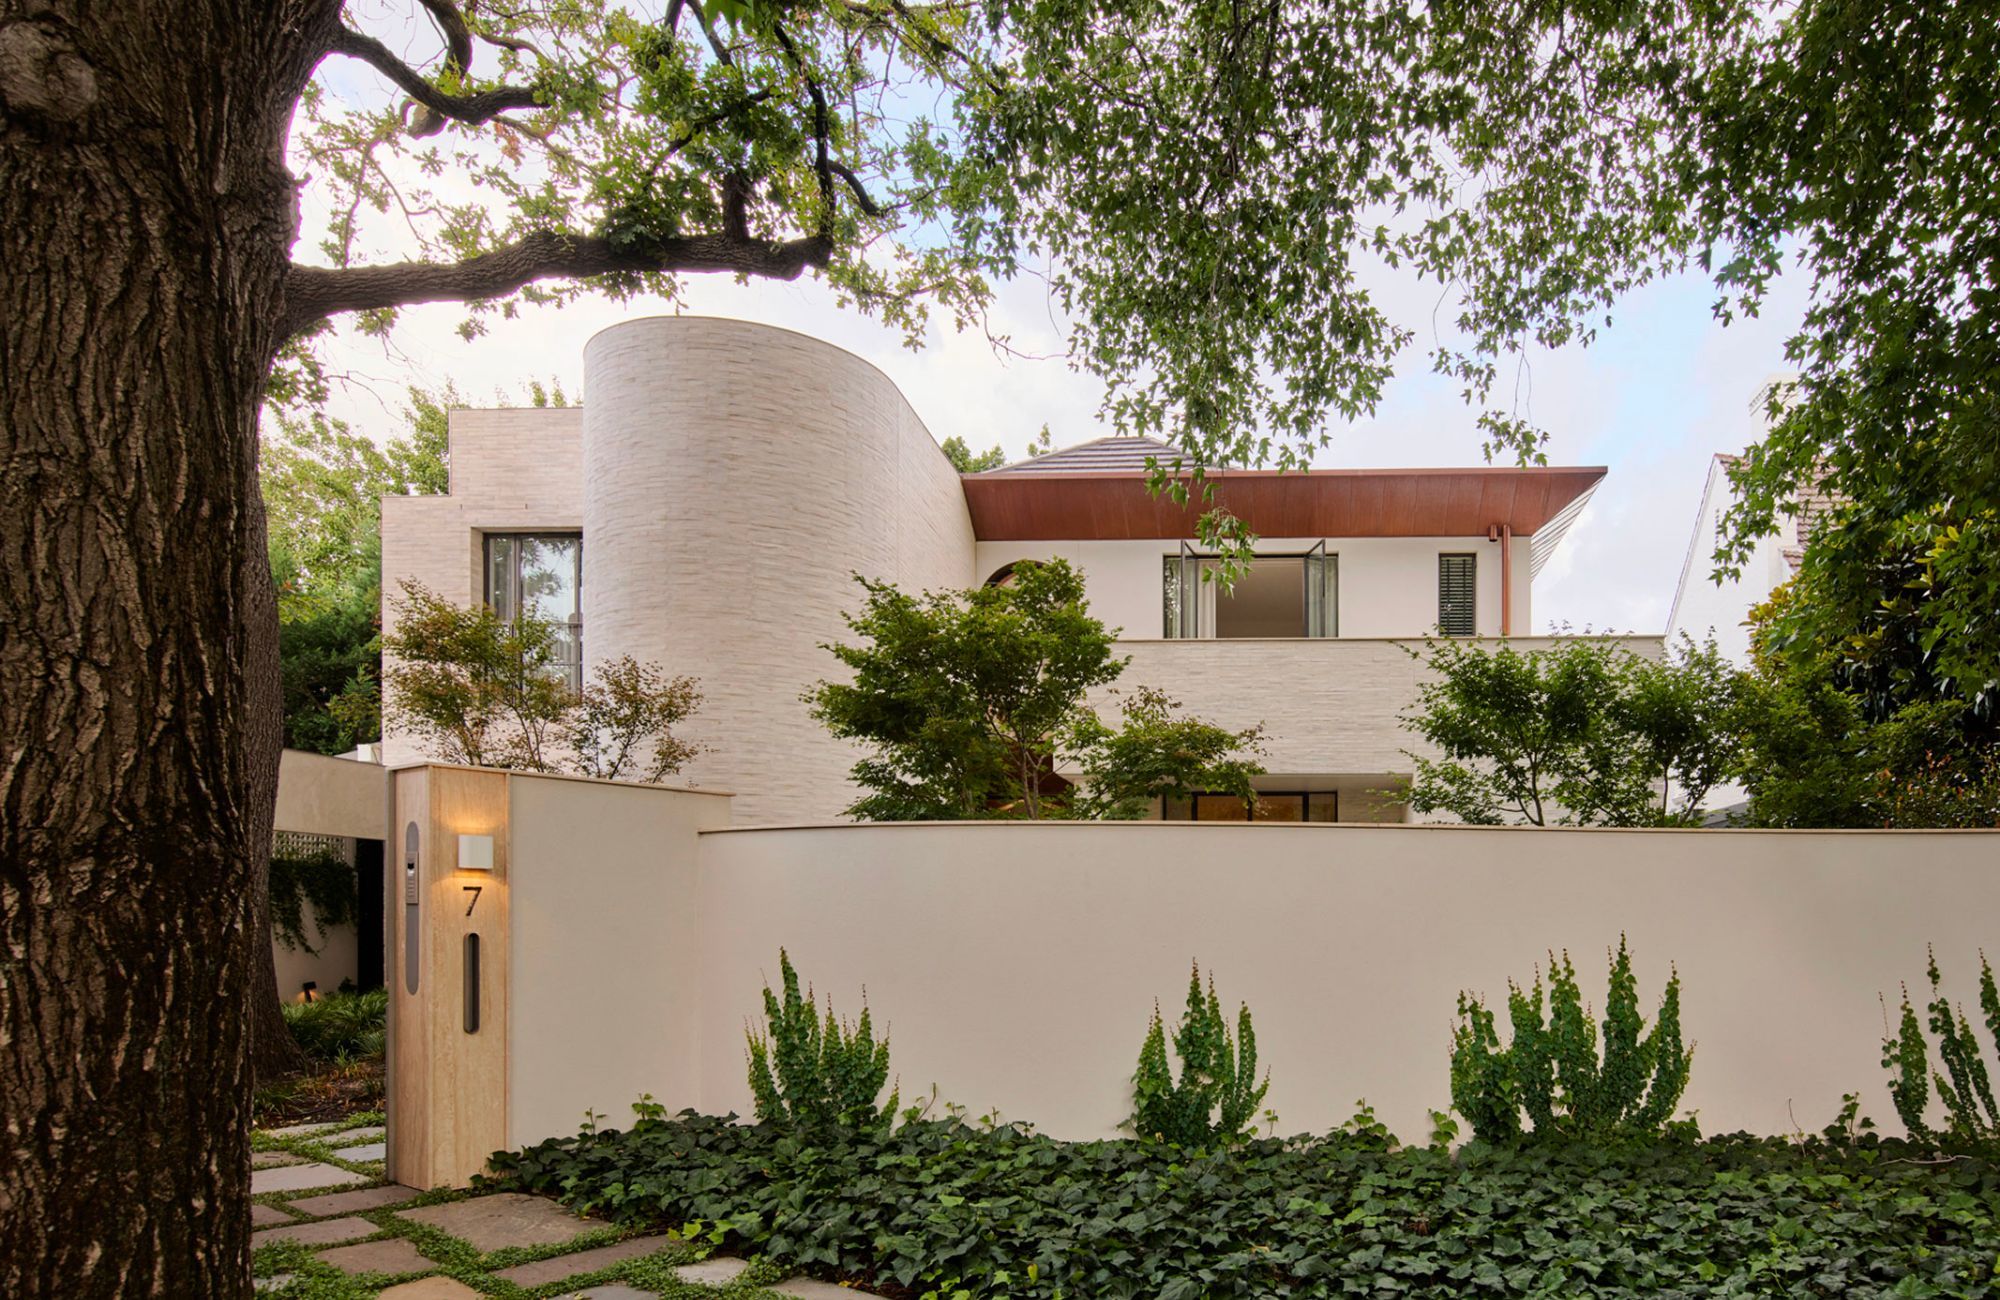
[(735, 478), (512, 470)]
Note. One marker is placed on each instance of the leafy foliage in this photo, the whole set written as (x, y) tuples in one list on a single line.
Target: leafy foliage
[(1582, 733), (485, 691), (1155, 753), (622, 723), (809, 1071), (340, 1026), (1215, 1100), (1964, 1084), (1861, 731), (325, 882), (1552, 1073), (944, 1208), (323, 484), (966, 461), (970, 699)]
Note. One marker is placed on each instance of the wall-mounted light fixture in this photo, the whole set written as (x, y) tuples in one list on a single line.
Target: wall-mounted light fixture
[(475, 853)]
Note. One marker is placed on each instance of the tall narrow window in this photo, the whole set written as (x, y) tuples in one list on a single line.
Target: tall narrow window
[(1322, 596), (541, 574), (1457, 583)]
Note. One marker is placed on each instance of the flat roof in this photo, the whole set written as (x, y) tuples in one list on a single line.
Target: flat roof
[(1049, 505)]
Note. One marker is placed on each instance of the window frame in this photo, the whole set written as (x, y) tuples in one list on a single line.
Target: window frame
[(571, 663)]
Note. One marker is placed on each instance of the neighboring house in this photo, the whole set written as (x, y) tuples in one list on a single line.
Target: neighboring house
[(1704, 607), (710, 504)]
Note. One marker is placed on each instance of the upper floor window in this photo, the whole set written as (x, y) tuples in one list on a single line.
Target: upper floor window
[(1457, 588), (1276, 596), (542, 574)]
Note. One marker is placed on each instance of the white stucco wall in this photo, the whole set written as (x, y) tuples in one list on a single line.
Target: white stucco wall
[(602, 944), (735, 477), (1388, 585), (1349, 943)]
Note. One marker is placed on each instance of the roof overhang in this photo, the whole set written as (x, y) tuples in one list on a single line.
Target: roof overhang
[(1047, 507)]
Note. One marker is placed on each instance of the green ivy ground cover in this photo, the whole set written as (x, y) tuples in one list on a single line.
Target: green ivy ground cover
[(947, 1209)]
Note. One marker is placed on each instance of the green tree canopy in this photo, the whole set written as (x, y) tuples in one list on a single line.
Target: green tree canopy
[(971, 700), (1582, 733)]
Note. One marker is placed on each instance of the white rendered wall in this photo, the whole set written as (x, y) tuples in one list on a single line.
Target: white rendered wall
[(1016, 964), (516, 470), (1388, 585), (735, 477)]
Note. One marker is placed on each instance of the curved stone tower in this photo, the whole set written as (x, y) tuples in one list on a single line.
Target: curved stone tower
[(735, 477)]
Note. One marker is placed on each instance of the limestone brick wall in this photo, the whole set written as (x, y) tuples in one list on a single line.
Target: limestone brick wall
[(513, 470), (735, 477)]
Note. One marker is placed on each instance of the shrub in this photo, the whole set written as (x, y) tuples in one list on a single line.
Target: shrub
[(340, 1026), (809, 1071), (947, 1209), (1552, 1072), (1217, 1095), (1963, 1085)]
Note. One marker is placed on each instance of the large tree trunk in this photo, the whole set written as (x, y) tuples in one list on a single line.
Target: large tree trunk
[(143, 246)]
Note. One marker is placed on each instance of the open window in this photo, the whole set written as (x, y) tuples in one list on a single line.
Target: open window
[(1273, 597)]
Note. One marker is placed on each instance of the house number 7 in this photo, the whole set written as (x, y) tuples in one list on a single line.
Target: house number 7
[(474, 891)]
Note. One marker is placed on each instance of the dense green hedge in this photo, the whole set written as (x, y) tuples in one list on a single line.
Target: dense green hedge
[(956, 1210)]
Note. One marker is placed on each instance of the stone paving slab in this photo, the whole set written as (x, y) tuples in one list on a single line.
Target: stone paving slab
[(273, 1159), (359, 1201), (275, 1282), (807, 1289), (323, 1233), (298, 1178), (389, 1255), (265, 1216), (583, 1261), (713, 1271), (431, 1288), (613, 1291), (365, 1151), (492, 1223)]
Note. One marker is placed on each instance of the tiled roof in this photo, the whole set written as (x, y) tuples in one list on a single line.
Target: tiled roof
[(1113, 455)]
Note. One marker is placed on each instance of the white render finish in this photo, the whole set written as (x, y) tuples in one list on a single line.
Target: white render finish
[(1388, 585), (735, 477)]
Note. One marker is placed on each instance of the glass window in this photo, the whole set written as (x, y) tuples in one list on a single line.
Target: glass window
[(542, 574), (1271, 806), (1272, 596)]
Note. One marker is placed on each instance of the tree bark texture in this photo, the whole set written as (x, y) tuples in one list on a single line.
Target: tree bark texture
[(144, 238)]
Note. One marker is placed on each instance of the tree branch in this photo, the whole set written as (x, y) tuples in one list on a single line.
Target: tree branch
[(470, 109), (312, 293)]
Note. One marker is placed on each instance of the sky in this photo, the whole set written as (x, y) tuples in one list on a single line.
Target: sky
[(1660, 392)]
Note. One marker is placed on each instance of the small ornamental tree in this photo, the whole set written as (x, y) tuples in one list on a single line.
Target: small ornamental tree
[(971, 700), (1157, 752), (813, 1071), (1552, 1073), (1582, 733), (480, 690), (1217, 1095), (1964, 1084)]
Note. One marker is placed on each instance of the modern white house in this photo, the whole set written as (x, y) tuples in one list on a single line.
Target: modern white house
[(1704, 607), (709, 506)]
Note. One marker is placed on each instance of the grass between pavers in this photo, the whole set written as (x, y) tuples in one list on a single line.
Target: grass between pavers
[(313, 1279), (318, 1145)]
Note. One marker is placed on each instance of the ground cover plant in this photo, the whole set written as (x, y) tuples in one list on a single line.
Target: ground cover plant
[(340, 1026), (949, 1209), (814, 1072)]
